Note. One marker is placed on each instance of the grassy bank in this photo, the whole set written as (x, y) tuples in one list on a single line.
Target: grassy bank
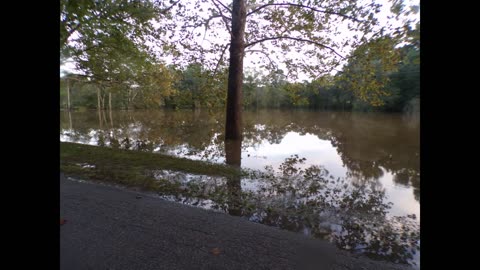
[(130, 168)]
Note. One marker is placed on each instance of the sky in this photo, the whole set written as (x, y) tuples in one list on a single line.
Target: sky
[(250, 59)]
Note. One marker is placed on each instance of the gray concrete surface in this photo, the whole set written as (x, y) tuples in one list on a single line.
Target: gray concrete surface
[(111, 228)]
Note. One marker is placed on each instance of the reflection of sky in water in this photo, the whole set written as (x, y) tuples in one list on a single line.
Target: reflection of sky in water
[(321, 152), (263, 152), (67, 136), (404, 202), (368, 151), (315, 150)]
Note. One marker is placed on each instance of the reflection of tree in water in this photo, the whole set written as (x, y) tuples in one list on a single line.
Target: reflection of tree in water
[(408, 177), (147, 131), (353, 216), (233, 156), (351, 212), (366, 143)]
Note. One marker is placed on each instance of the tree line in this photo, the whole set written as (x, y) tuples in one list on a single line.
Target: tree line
[(117, 47), (195, 87)]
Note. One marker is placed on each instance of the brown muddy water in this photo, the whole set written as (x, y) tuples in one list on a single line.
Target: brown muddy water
[(351, 178)]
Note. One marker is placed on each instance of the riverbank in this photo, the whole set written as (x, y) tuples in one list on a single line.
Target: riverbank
[(132, 168)]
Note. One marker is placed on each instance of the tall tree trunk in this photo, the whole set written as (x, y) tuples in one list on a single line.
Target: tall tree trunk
[(193, 98), (233, 154), (69, 104), (131, 97), (103, 101), (104, 118), (100, 122), (233, 126), (110, 101), (111, 119), (70, 120), (99, 107), (110, 109)]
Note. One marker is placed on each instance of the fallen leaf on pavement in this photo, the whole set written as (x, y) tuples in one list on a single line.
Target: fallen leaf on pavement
[(215, 251), (62, 221)]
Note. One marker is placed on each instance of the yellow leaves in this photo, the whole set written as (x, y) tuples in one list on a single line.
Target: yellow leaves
[(367, 71)]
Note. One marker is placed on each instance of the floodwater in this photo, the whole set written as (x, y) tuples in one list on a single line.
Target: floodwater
[(351, 178)]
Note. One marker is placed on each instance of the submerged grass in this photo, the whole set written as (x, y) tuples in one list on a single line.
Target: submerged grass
[(131, 168), (295, 199)]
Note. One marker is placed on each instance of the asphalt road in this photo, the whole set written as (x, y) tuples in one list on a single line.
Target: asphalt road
[(112, 228)]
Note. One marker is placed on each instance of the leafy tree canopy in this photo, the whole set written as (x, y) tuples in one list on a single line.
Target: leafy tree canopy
[(104, 36)]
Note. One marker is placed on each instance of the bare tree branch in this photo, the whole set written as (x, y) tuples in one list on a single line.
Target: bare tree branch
[(225, 18), (223, 5), (207, 22), (220, 59), (75, 77), (220, 11), (71, 32), (314, 73), (293, 38), (264, 53), (170, 7), (307, 7)]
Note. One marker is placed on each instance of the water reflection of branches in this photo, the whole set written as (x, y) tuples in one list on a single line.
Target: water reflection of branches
[(351, 212), (367, 144), (352, 216), (312, 201)]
